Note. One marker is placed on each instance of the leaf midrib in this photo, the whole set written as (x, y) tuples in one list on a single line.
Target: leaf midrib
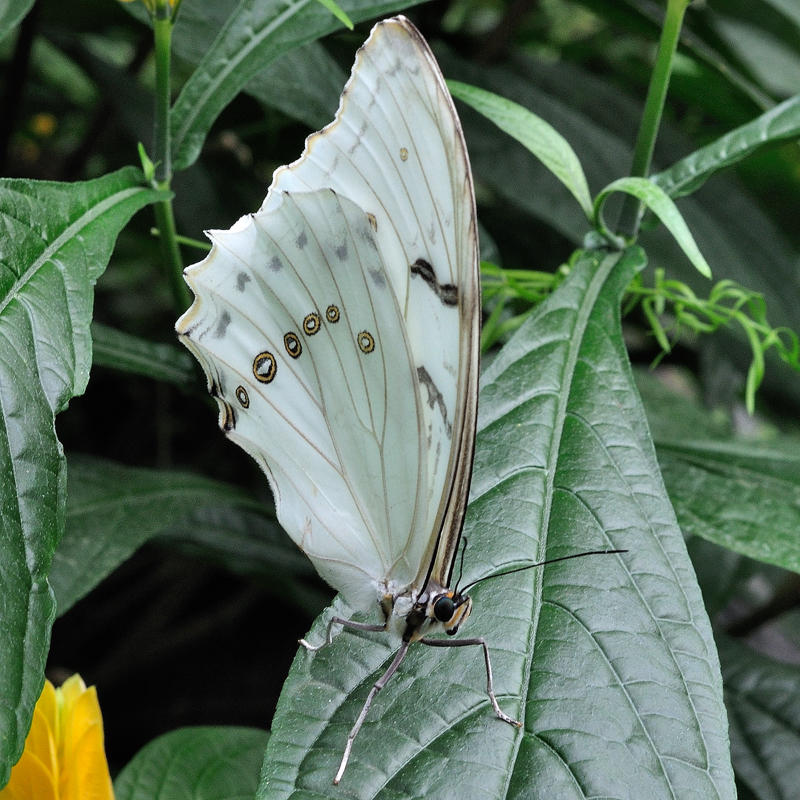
[(180, 135), (584, 312), (70, 232)]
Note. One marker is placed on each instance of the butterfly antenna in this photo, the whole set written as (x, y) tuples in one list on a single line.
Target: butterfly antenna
[(461, 564), (542, 563)]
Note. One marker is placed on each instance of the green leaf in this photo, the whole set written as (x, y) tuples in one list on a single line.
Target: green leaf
[(659, 203), (11, 14), (303, 83), (113, 509), (763, 700), (608, 660), (598, 119), (123, 351), (690, 173), (743, 496), (252, 38), (538, 136), (56, 241), (774, 65), (193, 764), (337, 12)]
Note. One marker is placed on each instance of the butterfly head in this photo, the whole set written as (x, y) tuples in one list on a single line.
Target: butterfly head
[(451, 609), (437, 609)]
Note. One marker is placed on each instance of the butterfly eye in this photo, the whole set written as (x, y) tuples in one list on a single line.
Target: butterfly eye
[(444, 608)]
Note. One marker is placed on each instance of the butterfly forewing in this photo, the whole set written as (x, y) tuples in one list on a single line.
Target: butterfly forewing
[(397, 150), (339, 328)]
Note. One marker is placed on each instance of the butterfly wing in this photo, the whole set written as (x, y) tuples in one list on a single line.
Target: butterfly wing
[(367, 444), (396, 149)]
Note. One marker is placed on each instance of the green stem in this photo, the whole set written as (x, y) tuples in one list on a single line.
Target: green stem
[(171, 254), (653, 108), (162, 32), (165, 218)]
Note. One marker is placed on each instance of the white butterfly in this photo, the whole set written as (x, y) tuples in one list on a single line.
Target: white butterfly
[(339, 331)]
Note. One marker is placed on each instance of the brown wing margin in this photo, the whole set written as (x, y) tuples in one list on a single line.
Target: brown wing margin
[(438, 566)]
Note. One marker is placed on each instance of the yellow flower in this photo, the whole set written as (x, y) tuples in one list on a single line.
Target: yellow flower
[(64, 758)]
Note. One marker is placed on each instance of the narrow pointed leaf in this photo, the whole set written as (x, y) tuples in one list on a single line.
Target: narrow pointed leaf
[(608, 660), (687, 175), (538, 136), (56, 241), (123, 351), (337, 12), (661, 205), (254, 35)]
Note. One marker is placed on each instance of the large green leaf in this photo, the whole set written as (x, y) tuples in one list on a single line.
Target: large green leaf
[(763, 700), (56, 241), (195, 764), (608, 660), (112, 509), (304, 82), (254, 35)]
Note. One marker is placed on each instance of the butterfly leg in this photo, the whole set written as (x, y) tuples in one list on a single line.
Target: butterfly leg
[(345, 623), (377, 686), (489, 680)]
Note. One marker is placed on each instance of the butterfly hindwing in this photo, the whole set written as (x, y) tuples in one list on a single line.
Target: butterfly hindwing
[(305, 286)]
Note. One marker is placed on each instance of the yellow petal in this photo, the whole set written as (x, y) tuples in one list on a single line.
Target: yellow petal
[(30, 780), (64, 757), (41, 741), (86, 775)]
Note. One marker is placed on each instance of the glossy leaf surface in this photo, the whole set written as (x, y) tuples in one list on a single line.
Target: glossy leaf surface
[(608, 660), (56, 241), (195, 764)]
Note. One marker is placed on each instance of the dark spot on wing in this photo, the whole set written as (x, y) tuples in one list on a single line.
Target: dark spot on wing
[(275, 264), (228, 421), (435, 397), (302, 240), (222, 325), (378, 278), (242, 279), (341, 251), (446, 292)]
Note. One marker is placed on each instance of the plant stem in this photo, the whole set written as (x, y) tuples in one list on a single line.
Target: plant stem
[(171, 253), (162, 32), (165, 218), (651, 118)]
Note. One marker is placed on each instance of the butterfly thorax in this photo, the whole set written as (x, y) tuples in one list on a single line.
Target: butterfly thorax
[(414, 614)]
